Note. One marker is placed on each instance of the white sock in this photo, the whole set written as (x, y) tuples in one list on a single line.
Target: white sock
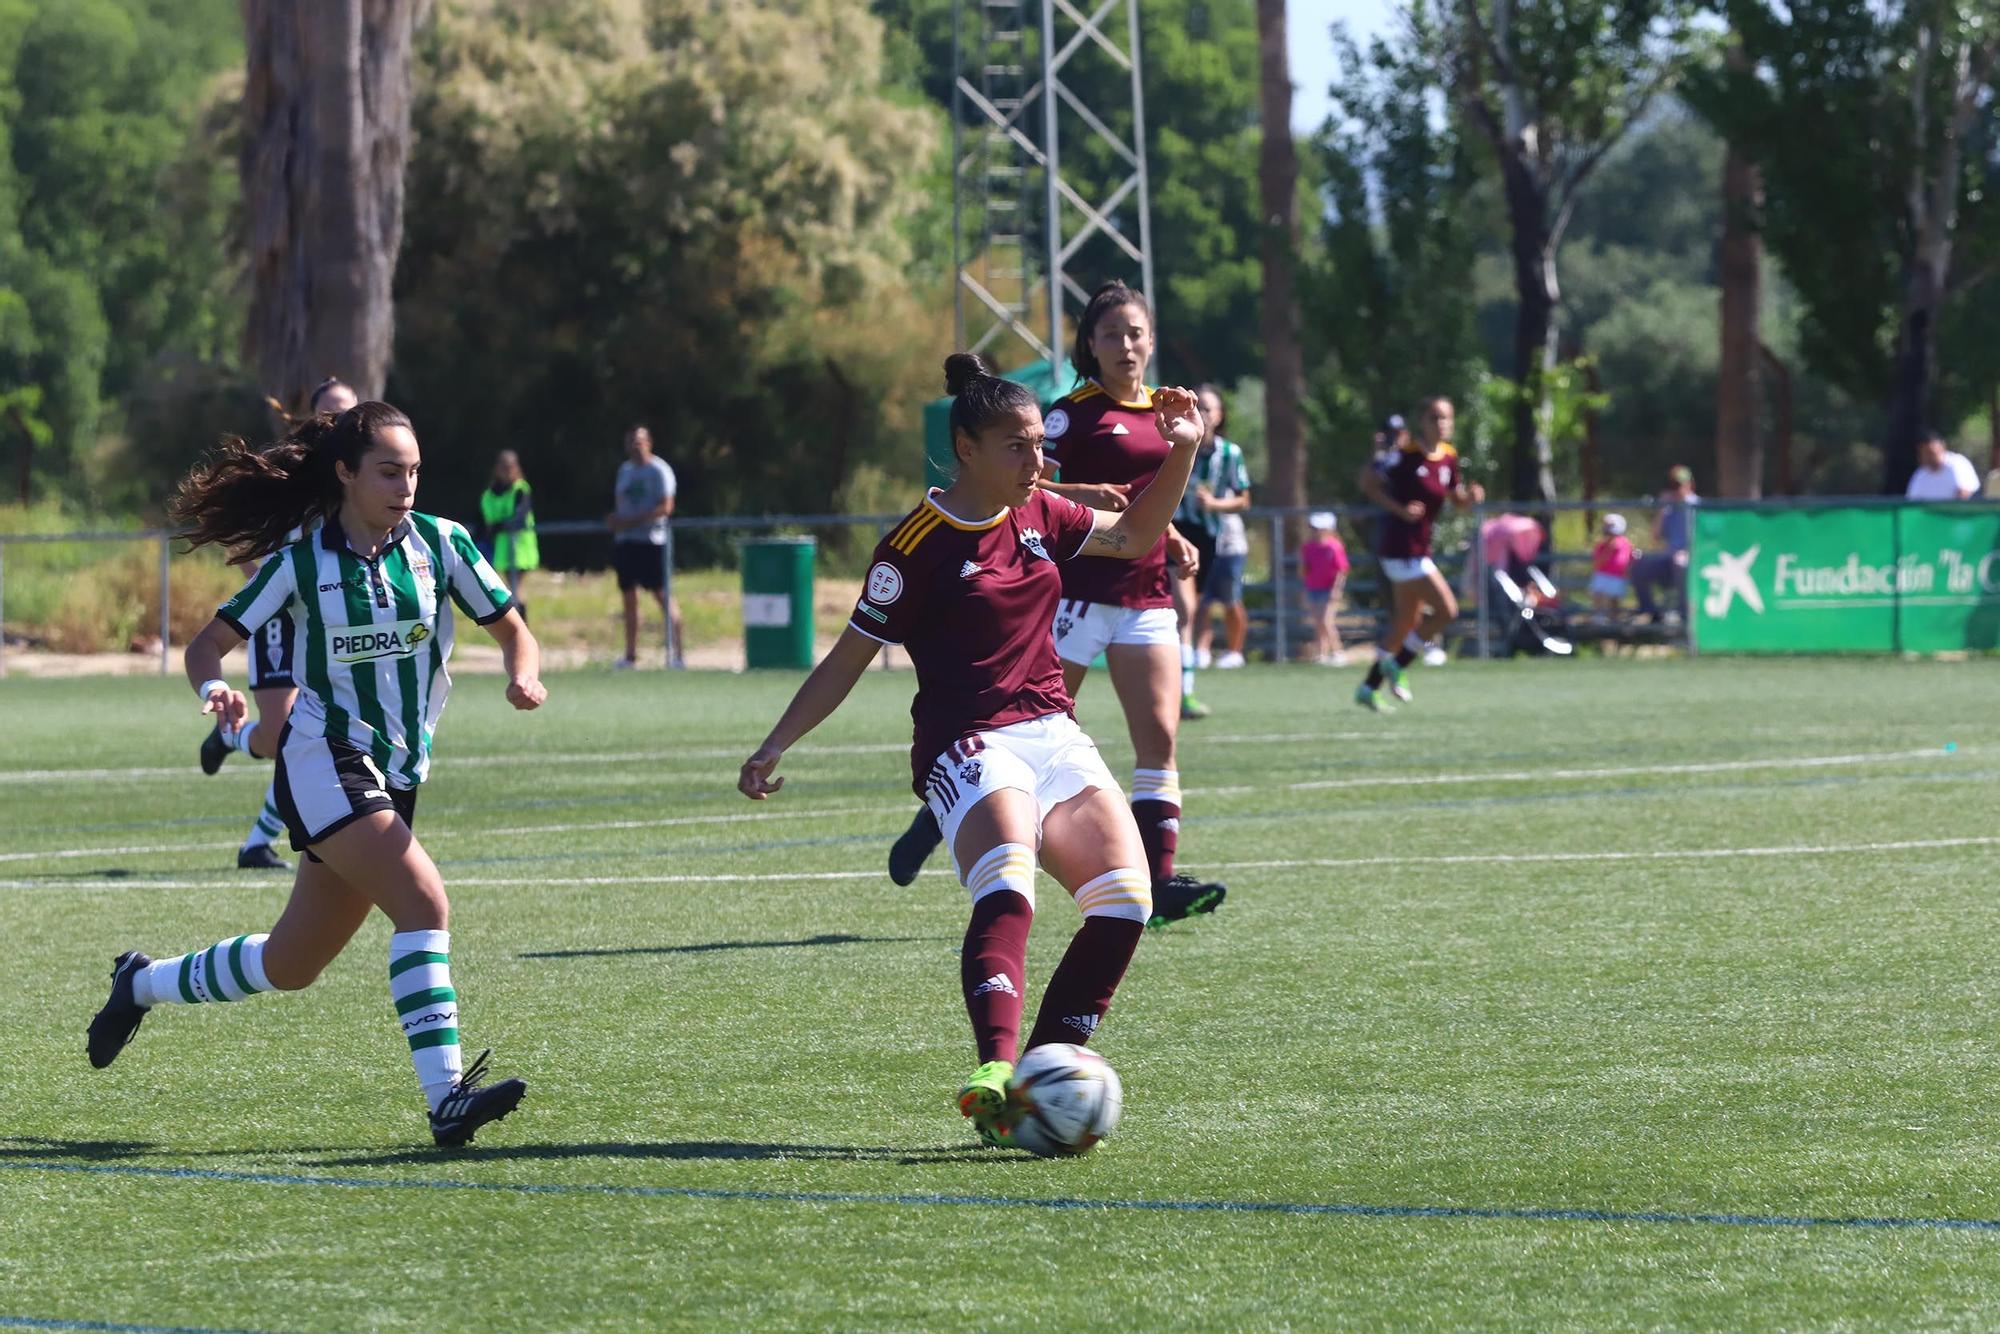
[(1414, 642), (1122, 893), (420, 986), (229, 970), (240, 739), (268, 826), (1187, 669), (1006, 866)]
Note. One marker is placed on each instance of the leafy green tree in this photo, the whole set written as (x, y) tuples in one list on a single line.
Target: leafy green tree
[(669, 212)]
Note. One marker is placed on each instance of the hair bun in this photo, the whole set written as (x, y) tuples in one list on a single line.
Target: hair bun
[(962, 370)]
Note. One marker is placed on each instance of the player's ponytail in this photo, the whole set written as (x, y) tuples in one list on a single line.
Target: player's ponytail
[(978, 397), (1105, 299), (246, 500)]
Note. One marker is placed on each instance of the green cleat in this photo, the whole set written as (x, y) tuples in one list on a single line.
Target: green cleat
[(1193, 708), (984, 1101), (1368, 699), (1399, 680)]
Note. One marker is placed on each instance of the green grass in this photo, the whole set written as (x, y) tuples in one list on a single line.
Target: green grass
[(1738, 1031)]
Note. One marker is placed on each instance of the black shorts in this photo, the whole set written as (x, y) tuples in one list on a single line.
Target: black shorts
[(324, 784), (1204, 543), (270, 650), (639, 565)]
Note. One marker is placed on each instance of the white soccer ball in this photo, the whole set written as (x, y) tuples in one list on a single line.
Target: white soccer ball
[(1067, 1097)]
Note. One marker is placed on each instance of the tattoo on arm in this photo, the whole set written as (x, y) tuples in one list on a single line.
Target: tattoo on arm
[(1110, 538)]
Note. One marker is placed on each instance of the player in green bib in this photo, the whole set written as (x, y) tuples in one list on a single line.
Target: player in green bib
[(371, 587), (507, 522)]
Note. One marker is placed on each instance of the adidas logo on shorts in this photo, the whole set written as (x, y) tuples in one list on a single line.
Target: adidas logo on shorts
[(999, 982)]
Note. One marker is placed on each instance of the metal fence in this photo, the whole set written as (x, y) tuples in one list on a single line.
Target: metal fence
[(1272, 580)]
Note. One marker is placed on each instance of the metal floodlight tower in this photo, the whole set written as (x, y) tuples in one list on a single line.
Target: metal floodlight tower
[(1007, 134)]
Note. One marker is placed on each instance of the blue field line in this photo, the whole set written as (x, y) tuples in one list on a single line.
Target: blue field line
[(29, 1322), (1058, 1203)]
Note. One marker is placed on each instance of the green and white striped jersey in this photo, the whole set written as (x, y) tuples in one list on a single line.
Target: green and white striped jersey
[(373, 636)]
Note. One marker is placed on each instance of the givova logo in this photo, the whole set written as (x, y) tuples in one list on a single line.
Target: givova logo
[(367, 643)]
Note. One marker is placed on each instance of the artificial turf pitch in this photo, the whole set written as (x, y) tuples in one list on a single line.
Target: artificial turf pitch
[(1621, 993)]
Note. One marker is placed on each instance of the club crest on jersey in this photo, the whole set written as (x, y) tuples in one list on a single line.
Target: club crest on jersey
[(1055, 424), (1032, 540), (885, 583), (369, 643)]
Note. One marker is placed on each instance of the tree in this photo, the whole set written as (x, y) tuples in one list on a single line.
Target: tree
[(1739, 440), (1389, 314), (326, 111), (1278, 188), (1551, 88), (1886, 233)]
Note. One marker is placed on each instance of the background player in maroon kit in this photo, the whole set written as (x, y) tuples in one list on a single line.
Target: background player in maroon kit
[(1104, 440), (967, 584), (1411, 483)]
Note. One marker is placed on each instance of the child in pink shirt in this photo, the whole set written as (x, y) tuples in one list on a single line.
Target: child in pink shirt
[(1322, 568), (1611, 564)]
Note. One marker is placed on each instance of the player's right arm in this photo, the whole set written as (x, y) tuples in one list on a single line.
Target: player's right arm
[(203, 660), (818, 697), (1374, 486)]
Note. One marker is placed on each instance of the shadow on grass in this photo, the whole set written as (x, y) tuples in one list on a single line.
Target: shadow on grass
[(680, 1151), (91, 1150), (715, 946)]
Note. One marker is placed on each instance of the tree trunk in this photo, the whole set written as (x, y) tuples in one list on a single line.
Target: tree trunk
[(1277, 187), (1531, 474), (326, 110), (1781, 412), (1739, 437)]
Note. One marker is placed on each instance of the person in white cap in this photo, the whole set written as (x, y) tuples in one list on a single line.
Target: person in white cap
[(1610, 566), (1323, 566)]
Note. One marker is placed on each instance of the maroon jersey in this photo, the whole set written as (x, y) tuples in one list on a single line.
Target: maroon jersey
[(972, 604), (1410, 474), (1093, 437)]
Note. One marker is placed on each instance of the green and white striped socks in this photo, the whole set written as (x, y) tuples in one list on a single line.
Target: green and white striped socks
[(228, 970), (265, 832), (420, 985)]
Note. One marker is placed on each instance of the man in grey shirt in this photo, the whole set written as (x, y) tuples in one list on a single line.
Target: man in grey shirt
[(644, 499)]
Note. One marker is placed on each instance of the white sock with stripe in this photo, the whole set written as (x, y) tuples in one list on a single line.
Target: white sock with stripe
[(229, 970), (420, 986), (268, 826), (240, 738), (1125, 892), (1007, 866)]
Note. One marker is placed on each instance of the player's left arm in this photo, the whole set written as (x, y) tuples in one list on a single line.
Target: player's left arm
[(521, 653), (203, 660), (1130, 533), (820, 694)]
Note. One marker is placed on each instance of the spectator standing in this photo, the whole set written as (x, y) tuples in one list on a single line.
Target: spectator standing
[(507, 524), (1942, 474), (1671, 522), (1610, 565), (1222, 491), (644, 500), (1323, 567)]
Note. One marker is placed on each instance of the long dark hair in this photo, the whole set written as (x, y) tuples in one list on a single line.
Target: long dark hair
[(978, 397), (1106, 298), (246, 500)]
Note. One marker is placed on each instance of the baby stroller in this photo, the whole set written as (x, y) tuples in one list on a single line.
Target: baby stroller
[(1527, 616)]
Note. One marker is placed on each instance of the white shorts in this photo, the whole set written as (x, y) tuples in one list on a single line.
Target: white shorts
[(1048, 758), (1083, 629), (1400, 571)]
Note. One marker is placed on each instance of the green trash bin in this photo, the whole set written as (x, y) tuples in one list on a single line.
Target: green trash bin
[(778, 602)]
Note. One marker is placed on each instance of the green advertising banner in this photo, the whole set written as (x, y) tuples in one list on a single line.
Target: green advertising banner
[(1845, 579)]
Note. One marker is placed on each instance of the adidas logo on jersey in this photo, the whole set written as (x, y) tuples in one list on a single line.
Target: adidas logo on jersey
[(999, 982), (970, 568), (1085, 1024)]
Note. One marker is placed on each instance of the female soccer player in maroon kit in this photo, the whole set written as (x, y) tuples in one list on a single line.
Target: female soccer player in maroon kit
[(1411, 483), (968, 584)]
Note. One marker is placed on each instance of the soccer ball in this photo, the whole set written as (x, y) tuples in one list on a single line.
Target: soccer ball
[(1067, 1098)]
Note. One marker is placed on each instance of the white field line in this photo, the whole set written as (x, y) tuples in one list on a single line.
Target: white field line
[(434, 835), (1215, 868), (528, 760)]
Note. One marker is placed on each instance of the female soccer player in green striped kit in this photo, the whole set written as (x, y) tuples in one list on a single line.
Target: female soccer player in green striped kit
[(371, 586)]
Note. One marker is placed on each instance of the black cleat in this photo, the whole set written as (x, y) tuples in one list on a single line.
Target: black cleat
[(468, 1106), (914, 848), (261, 857), (1182, 896), (214, 750), (115, 1024)]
